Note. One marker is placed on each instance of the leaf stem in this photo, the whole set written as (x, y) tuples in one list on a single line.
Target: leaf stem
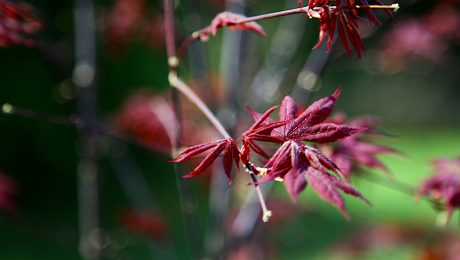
[(178, 84), (266, 214), (187, 91)]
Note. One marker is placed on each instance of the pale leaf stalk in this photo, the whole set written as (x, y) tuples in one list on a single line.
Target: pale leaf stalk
[(177, 83)]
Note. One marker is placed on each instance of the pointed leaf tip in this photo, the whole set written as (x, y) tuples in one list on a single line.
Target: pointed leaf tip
[(337, 92)]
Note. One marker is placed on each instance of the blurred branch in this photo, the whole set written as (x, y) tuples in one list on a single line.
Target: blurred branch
[(283, 46), (305, 10), (188, 206), (9, 109), (231, 62), (84, 75), (136, 188), (75, 122)]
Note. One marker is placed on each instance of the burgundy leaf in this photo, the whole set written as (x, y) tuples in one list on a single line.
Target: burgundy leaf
[(256, 148), (316, 113), (343, 35), (228, 161), (207, 161), (354, 151), (280, 155), (256, 116), (326, 189), (288, 111), (295, 182), (348, 189), (261, 119), (444, 185), (332, 25), (324, 26), (227, 146), (322, 162), (342, 16), (193, 151), (231, 20), (326, 133)]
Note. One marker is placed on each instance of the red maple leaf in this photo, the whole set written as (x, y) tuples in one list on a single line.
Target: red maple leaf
[(231, 20), (343, 17), (444, 186), (226, 146), (296, 162), (261, 130)]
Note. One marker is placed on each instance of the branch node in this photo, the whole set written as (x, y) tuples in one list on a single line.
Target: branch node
[(173, 62), (172, 78)]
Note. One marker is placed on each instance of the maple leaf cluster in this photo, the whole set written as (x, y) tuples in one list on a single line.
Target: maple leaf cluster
[(17, 23), (295, 162), (342, 16), (444, 186)]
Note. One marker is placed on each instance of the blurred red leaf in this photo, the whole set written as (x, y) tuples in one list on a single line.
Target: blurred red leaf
[(226, 146), (231, 20), (8, 190), (18, 22), (444, 185), (152, 225)]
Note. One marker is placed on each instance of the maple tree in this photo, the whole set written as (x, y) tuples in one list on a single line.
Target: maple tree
[(311, 148)]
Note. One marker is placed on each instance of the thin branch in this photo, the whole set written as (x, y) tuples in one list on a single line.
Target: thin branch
[(189, 219), (84, 76), (30, 114), (169, 33), (266, 214), (185, 89), (76, 122), (196, 35)]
